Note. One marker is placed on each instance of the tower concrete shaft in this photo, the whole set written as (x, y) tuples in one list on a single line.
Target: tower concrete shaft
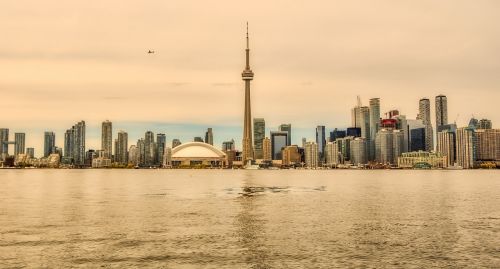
[(247, 143)]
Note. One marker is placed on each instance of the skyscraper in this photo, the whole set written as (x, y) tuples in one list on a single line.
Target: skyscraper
[(247, 76), (424, 114), (121, 154), (79, 143), (441, 111), (49, 144), (161, 143), (259, 132), (228, 145), (446, 145), (385, 146), (374, 126), (320, 141), (107, 139), (279, 141), (20, 139), (311, 155), (209, 137), (488, 144), (358, 147), (287, 128), (149, 148), (466, 147), (266, 149)]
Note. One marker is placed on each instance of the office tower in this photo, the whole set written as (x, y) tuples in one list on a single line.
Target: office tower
[(161, 143), (259, 132), (133, 156), (353, 131), (141, 152), (364, 121), (176, 142), (320, 141), (49, 143), (291, 156), (398, 144), (446, 146), (402, 124), (488, 144), (266, 149), (484, 124), (79, 143), (228, 145), (209, 137), (304, 142), (30, 152), (337, 134), (358, 148), (384, 146), (247, 76), (311, 154), (374, 126), (167, 160), (106, 139), (441, 111), (121, 154), (20, 139), (344, 148), (287, 128), (416, 135), (279, 141), (4, 140), (149, 148), (424, 114), (466, 147)]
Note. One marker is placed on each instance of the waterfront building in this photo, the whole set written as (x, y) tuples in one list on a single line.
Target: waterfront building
[(198, 154), (466, 147), (106, 139), (384, 146), (259, 132), (247, 76), (424, 115), (209, 137), (4, 140), (49, 143), (488, 144), (446, 144), (149, 148), (358, 151), (353, 131), (291, 156), (175, 142), (228, 145), (19, 144), (422, 159), (30, 152), (266, 149), (279, 141), (161, 143), (484, 124), (441, 111), (321, 141), (287, 128), (332, 154), (121, 154), (101, 162), (311, 153)]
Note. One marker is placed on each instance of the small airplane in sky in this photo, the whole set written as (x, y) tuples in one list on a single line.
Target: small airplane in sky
[(151, 51)]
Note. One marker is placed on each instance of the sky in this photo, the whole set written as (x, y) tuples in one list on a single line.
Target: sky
[(66, 61)]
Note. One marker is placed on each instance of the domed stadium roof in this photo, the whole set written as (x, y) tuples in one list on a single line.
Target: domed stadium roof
[(194, 150)]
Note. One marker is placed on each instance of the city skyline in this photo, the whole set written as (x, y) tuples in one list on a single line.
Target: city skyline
[(108, 78)]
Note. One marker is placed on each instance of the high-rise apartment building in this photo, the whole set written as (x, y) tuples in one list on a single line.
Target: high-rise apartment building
[(488, 144), (374, 126), (149, 148), (4, 140), (121, 149), (466, 147), (161, 143), (107, 139), (19, 143), (287, 128), (364, 121), (266, 149), (446, 146), (167, 160), (424, 114), (259, 132), (358, 151), (291, 156), (279, 141), (49, 144), (385, 146), (209, 137), (79, 143), (311, 153), (441, 111), (133, 155)]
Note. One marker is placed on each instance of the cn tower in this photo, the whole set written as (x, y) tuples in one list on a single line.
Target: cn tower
[(247, 76)]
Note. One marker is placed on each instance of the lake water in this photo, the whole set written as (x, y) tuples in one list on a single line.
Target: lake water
[(249, 219)]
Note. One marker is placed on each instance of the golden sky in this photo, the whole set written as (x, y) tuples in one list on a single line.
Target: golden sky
[(64, 61)]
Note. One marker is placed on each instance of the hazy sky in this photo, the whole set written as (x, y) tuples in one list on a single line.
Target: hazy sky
[(65, 61)]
